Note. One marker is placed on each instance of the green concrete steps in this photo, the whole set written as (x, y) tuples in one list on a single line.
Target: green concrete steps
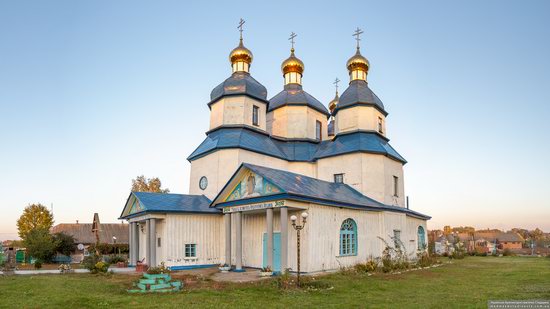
[(156, 283)]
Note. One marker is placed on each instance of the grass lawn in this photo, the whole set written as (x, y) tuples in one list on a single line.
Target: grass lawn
[(464, 283)]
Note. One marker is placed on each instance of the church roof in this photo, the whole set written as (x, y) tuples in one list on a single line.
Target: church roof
[(170, 202), (293, 94), (359, 92), (239, 83), (244, 138), (303, 188)]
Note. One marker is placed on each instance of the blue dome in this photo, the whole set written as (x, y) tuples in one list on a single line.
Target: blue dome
[(239, 83), (293, 94), (359, 93)]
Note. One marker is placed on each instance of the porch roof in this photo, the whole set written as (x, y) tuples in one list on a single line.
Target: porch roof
[(169, 203), (303, 188)]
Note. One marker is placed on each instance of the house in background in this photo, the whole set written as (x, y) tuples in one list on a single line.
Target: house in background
[(85, 234)]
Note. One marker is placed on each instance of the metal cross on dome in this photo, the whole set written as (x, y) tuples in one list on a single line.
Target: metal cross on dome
[(356, 34), (291, 38), (336, 81), (240, 26)]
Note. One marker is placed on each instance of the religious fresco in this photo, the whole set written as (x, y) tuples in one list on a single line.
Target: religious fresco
[(252, 185)]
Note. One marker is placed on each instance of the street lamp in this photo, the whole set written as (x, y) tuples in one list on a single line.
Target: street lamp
[(298, 228)]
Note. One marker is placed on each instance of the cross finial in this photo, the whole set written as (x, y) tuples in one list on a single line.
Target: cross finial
[(240, 27), (356, 34), (291, 38), (336, 81)]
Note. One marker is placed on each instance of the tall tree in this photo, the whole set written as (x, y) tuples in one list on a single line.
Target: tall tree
[(35, 216), (142, 184), (65, 243), (40, 244)]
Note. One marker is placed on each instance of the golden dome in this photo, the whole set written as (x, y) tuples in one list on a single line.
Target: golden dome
[(241, 53), (292, 64), (334, 102), (358, 62)]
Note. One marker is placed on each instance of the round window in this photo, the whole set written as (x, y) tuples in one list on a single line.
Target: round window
[(203, 182)]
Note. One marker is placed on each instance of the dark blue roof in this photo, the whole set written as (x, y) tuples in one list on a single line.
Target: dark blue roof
[(358, 92), (301, 187), (244, 138), (239, 83), (293, 94), (169, 202)]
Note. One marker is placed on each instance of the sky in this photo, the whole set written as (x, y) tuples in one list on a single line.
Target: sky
[(95, 93)]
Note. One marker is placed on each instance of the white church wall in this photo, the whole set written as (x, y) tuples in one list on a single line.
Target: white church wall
[(237, 110), (296, 122), (323, 237), (360, 117), (349, 164), (205, 231), (392, 168)]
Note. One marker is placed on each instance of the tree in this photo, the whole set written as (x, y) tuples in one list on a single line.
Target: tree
[(141, 184), (40, 244), (35, 216), (64, 243)]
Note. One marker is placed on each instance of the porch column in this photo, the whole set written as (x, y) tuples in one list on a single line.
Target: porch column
[(227, 219), (131, 243), (153, 242), (135, 248), (148, 242), (269, 234), (284, 239), (239, 244)]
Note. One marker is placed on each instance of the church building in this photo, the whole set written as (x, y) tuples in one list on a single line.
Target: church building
[(269, 164)]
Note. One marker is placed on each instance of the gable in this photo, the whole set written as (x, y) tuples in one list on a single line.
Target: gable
[(249, 184), (132, 206)]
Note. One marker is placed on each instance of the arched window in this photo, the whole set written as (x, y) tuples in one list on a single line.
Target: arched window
[(421, 238), (348, 237)]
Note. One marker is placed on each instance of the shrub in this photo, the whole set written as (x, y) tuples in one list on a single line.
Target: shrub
[(40, 244), (100, 267), (90, 261), (65, 268), (507, 252), (37, 264), (113, 259), (423, 259), (162, 269), (65, 244)]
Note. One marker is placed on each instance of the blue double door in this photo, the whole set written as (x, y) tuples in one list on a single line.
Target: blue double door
[(276, 251)]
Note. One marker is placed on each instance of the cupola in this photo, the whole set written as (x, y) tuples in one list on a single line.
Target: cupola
[(241, 57), (292, 67), (358, 66)]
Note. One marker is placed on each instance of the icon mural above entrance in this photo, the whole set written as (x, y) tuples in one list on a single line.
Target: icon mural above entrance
[(252, 185)]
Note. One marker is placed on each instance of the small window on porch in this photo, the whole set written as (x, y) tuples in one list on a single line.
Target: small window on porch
[(190, 250)]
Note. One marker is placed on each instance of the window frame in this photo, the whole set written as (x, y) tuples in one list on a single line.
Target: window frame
[(348, 238), (396, 237), (192, 249), (339, 175), (380, 125), (318, 130), (395, 186), (421, 240), (255, 115)]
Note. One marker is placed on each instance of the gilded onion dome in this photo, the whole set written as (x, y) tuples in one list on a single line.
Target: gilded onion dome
[(332, 105), (240, 54), (292, 64), (358, 62)]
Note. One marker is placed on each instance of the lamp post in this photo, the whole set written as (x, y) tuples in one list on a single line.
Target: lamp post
[(298, 228)]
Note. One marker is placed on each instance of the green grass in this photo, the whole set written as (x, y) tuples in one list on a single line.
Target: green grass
[(464, 283)]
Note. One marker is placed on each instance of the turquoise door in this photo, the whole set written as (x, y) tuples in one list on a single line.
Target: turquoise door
[(276, 251)]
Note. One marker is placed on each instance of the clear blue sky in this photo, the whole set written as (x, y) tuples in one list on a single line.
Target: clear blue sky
[(94, 93)]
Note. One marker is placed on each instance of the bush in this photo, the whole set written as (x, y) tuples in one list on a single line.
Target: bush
[(37, 264), (507, 252), (40, 244), (423, 259), (65, 244), (110, 248), (113, 259), (162, 269), (90, 261), (100, 267)]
